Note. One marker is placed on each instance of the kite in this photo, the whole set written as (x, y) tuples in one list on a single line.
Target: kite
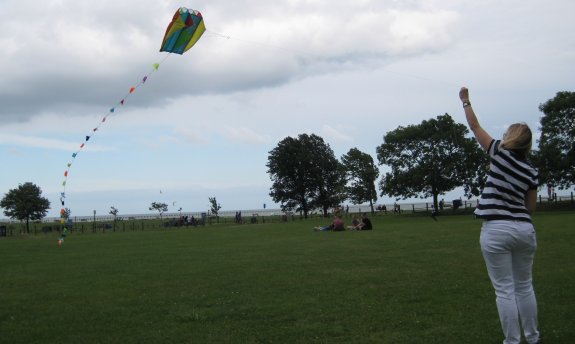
[(182, 33)]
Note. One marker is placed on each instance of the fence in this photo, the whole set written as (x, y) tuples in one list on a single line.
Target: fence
[(140, 222)]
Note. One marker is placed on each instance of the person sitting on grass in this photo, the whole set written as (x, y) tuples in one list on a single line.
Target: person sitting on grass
[(336, 225), (365, 224), (354, 223)]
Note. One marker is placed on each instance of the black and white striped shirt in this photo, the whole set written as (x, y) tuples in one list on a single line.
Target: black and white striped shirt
[(509, 179)]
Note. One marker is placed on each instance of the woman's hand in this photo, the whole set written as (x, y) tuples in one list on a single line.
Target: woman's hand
[(464, 94), (482, 137)]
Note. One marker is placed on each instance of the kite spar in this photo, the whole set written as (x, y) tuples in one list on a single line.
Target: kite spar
[(185, 29)]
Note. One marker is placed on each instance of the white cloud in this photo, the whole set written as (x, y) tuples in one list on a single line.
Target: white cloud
[(335, 135), (89, 52), (334, 35), (416, 31), (246, 135), (191, 135), (158, 142), (47, 143)]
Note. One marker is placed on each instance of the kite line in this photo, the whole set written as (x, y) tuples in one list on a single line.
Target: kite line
[(306, 55)]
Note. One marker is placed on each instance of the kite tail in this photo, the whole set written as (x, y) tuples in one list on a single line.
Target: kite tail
[(112, 110), (63, 236)]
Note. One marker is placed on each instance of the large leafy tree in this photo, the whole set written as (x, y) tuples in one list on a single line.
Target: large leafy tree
[(556, 156), (361, 173), (25, 203), (330, 182), (431, 158), (306, 175)]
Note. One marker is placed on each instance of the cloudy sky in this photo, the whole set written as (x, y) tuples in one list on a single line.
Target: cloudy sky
[(203, 124)]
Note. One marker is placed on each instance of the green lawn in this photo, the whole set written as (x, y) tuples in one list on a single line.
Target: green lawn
[(411, 280)]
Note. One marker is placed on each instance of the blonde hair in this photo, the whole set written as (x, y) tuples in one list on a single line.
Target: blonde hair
[(518, 139)]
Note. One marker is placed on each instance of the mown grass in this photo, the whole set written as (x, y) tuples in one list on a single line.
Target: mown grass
[(411, 280)]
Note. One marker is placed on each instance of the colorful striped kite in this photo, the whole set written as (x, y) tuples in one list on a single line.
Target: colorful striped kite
[(183, 32)]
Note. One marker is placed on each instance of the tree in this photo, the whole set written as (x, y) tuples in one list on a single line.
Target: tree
[(25, 203), (306, 174), (161, 208), (330, 184), (556, 156), (214, 206), (431, 158), (361, 174)]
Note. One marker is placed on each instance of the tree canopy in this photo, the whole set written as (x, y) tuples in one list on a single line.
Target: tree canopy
[(25, 203), (306, 175), (361, 175), (556, 156), (431, 158), (160, 207), (214, 206)]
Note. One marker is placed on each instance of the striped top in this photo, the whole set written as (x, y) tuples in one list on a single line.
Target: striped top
[(509, 179)]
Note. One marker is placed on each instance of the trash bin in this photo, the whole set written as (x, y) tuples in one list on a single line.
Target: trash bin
[(2, 231)]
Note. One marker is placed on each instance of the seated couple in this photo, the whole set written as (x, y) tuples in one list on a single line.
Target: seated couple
[(363, 225)]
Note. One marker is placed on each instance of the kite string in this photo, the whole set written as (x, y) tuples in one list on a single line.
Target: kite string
[(304, 55), (279, 47), (83, 145)]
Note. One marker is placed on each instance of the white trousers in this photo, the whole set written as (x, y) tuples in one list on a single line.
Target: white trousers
[(508, 249)]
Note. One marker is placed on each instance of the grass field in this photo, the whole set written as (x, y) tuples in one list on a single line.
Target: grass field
[(411, 280)]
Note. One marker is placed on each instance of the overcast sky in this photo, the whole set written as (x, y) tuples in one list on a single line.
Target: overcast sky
[(203, 124)]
